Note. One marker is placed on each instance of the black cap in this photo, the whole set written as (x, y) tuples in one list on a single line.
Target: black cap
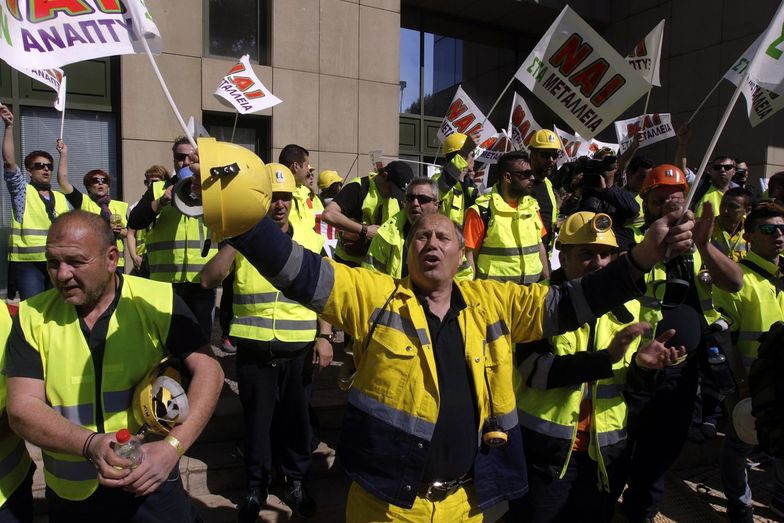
[(399, 174)]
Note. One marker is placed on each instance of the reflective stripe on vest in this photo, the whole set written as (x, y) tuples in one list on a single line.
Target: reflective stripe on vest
[(174, 245), (263, 313), (28, 238), (141, 321), (510, 250)]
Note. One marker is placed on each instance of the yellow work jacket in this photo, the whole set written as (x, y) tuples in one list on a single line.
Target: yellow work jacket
[(14, 459), (754, 308), (302, 211), (375, 211), (135, 340), (510, 250), (174, 244), (386, 250), (262, 312), (27, 242), (713, 195), (551, 416), (117, 207)]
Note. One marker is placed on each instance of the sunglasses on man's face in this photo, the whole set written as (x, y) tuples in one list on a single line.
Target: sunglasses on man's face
[(180, 157), (421, 198), (38, 166), (722, 166), (99, 180), (769, 229), (553, 155)]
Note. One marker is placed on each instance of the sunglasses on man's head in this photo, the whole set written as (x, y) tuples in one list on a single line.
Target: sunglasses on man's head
[(421, 198), (722, 166), (769, 229), (42, 165)]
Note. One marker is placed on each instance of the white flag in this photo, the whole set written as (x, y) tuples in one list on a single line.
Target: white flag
[(522, 125), (44, 35), (655, 128), (463, 116), (244, 91), (491, 150), (767, 67), (575, 146), (761, 103), (646, 55), (580, 76), (53, 78)]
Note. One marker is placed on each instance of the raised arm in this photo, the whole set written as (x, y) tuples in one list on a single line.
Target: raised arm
[(9, 154), (62, 168)]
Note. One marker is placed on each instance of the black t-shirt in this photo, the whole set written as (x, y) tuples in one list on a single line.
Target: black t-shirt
[(184, 337), (546, 210), (453, 445), (350, 199)]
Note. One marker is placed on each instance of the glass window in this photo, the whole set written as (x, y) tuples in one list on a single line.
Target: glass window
[(410, 65), (251, 132), (238, 27)]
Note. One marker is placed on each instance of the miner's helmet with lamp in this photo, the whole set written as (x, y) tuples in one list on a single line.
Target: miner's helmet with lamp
[(587, 228)]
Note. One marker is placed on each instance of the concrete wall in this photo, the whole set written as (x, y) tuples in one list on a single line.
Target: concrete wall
[(334, 63), (701, 41)]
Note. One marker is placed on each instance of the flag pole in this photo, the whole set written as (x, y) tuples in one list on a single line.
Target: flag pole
[(647, 99), (62, 122), (703, 101), (166, 91), (498, 100), (236, 117)]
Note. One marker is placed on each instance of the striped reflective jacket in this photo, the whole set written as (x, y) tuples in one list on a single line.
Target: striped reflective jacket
[(28, 238)]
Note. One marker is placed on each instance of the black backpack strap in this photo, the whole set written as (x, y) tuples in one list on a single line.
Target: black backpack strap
[(778, 284), (484, 213)]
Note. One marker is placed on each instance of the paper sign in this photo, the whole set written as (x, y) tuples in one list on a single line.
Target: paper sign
[(646, 55), (761, 103), (493, 148), (522, 125), (244, 91), (44, 34), (655, 128), (465, 117), (580, 76)]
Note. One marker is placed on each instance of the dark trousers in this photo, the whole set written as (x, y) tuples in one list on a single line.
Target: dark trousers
[(168, 504), (200, 301), (18, 508), (226, 312), (575, 497), (658, 426), (31, 278), (274, 395)]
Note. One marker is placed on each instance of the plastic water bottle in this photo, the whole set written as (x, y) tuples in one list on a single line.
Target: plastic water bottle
[(128, 448), (721, 372)]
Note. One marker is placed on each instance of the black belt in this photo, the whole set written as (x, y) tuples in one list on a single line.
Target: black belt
[(439, 490)]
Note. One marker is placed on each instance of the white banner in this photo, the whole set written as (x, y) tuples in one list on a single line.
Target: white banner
[(54, 79), (522, 125), (493, 148), (42, 35), (575, 146), (761, 103), (580, 76), (646, 55), (244, 91), (465, 117), (655, 128), (767, 67)]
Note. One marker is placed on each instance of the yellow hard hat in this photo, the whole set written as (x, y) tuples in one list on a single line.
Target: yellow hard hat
[(235, 188), (159, 400), (327, 178), (454, 142), (587, 228), (281, 179), (545, 139)]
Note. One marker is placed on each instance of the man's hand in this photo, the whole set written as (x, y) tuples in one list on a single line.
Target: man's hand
[(159, 460), (703, 228), (112, 469), (683, 134), (61, 147), (621, 341), (137, 261), (668, 232), (322, 353), (6, 115), (371, 231), (656, 355)]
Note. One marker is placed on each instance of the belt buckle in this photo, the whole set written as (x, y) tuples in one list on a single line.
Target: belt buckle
[(437, 491)]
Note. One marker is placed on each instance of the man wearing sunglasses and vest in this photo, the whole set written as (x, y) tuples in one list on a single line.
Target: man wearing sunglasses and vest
[(753, 310), (721, 170), (678, 296), (387, 252), (34, 207)]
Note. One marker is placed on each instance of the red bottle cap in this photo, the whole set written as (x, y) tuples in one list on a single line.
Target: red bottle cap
[(123, 436)]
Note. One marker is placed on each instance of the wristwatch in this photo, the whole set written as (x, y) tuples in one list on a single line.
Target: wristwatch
[(329, 337)]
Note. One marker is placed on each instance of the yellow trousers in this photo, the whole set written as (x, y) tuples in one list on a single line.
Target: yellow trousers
[(364, 507)]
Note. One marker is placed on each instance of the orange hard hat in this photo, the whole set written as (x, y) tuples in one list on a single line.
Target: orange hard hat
[(664, 174)]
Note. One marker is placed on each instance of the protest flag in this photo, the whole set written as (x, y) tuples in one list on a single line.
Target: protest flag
[(645, 58), (761, 103), (243, 90), (463, 116), (522, 125), (655, 128), (767, 67), (580, 76), (55, 79)]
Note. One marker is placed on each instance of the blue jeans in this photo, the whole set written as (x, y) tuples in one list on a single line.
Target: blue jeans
[(31, 278)]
